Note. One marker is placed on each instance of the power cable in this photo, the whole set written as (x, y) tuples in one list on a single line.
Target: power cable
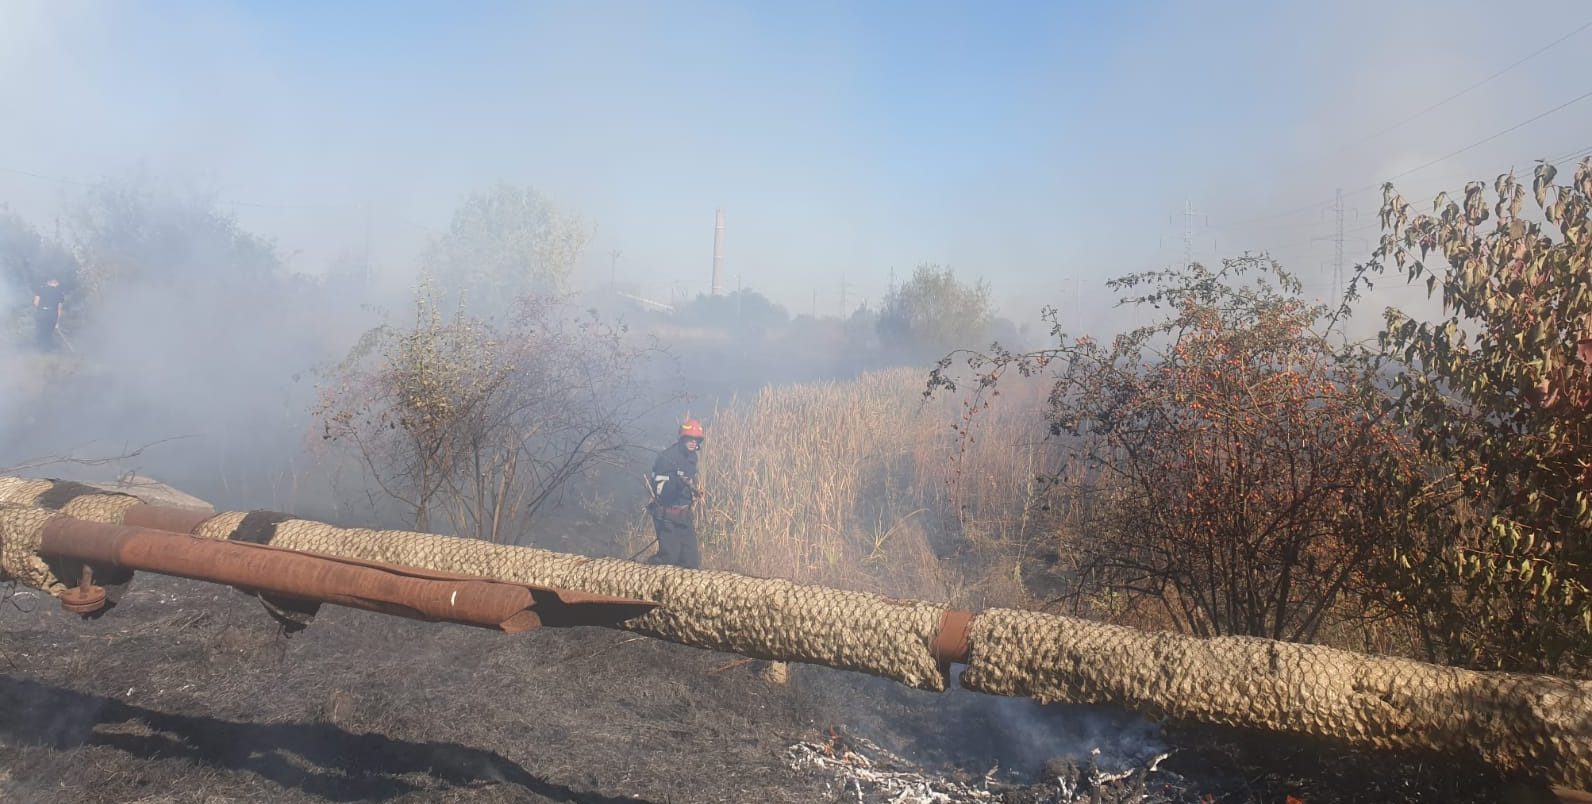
[(1573, 156), (1578, 153), (1528, 121), (223, 201), (1444, 101), (46, 178), (1522, 60)]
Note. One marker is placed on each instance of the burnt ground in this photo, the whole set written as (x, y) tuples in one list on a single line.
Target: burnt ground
[(188, 692)]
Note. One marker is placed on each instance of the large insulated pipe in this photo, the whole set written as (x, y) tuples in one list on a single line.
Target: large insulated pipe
[(913, 642), (390, 589), (1534, 725)]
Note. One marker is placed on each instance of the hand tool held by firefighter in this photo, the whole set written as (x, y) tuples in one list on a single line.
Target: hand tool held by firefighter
[(696, 491)]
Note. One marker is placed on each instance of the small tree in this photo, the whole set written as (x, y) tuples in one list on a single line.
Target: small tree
[(504, 243), (1225, 452), (1496, 537), (933, 313), (132, 234), (459, 420)]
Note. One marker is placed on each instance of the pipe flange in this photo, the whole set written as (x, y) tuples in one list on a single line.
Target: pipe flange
[(83, 600)]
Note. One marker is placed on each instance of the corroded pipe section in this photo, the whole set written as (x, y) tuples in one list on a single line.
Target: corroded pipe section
[(950, 644), (389, 589)]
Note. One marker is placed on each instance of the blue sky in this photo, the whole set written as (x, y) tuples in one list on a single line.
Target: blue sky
[(1041, 147)]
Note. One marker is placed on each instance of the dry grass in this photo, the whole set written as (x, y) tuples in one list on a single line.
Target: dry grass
[(863, 485)]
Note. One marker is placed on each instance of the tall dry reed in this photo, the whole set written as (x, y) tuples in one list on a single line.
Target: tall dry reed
[(863, 484)]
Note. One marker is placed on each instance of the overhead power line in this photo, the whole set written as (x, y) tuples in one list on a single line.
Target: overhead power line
[(1467, 90), (1573, 156), (1522, 124), (227, 201), (57, 179), (236, 203), (1326, 202)]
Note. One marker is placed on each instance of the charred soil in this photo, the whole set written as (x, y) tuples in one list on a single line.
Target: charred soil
[(187, 692)]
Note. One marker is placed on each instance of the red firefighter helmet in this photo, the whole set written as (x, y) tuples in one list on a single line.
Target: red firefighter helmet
[(692, 428)]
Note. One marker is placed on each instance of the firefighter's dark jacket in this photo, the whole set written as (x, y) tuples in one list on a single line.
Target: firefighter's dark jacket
[(667, 472)]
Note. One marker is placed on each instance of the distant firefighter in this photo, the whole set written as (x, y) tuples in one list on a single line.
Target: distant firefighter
[(48, 305), (674, 495)]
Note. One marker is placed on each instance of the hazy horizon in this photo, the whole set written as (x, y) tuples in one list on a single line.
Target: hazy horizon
[(1042, 149)]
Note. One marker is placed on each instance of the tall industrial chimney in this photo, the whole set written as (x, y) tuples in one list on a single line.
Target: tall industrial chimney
[(718, 253)]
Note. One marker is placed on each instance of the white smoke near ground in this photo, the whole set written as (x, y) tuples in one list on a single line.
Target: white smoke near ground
[(1035, 734), (16, 297), (187, 350), (1013, 740)]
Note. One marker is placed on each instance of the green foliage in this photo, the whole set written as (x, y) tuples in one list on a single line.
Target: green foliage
[(1225, 452), (933, 312), (1495, 539), (505, 243)]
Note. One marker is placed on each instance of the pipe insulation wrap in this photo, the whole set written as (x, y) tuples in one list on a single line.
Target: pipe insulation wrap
[(1515, 722), (22, 491), (763, 618), (21, 534), (1538, 725)]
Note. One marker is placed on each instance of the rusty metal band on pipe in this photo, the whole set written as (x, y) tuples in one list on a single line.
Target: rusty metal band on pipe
[(951, 641), (259, 568)]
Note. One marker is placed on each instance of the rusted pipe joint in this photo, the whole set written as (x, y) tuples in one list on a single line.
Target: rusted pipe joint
[(950, 641), (86, 598)]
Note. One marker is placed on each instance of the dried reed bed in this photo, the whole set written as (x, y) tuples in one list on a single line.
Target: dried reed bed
[(863, 484)]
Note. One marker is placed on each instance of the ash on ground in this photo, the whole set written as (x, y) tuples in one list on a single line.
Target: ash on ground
[(862, 771)]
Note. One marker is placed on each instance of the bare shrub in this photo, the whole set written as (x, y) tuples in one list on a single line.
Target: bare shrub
[(465, 422)]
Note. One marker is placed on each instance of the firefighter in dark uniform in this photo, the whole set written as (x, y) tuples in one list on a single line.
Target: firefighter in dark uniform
[(674, 494), (48, 305)]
